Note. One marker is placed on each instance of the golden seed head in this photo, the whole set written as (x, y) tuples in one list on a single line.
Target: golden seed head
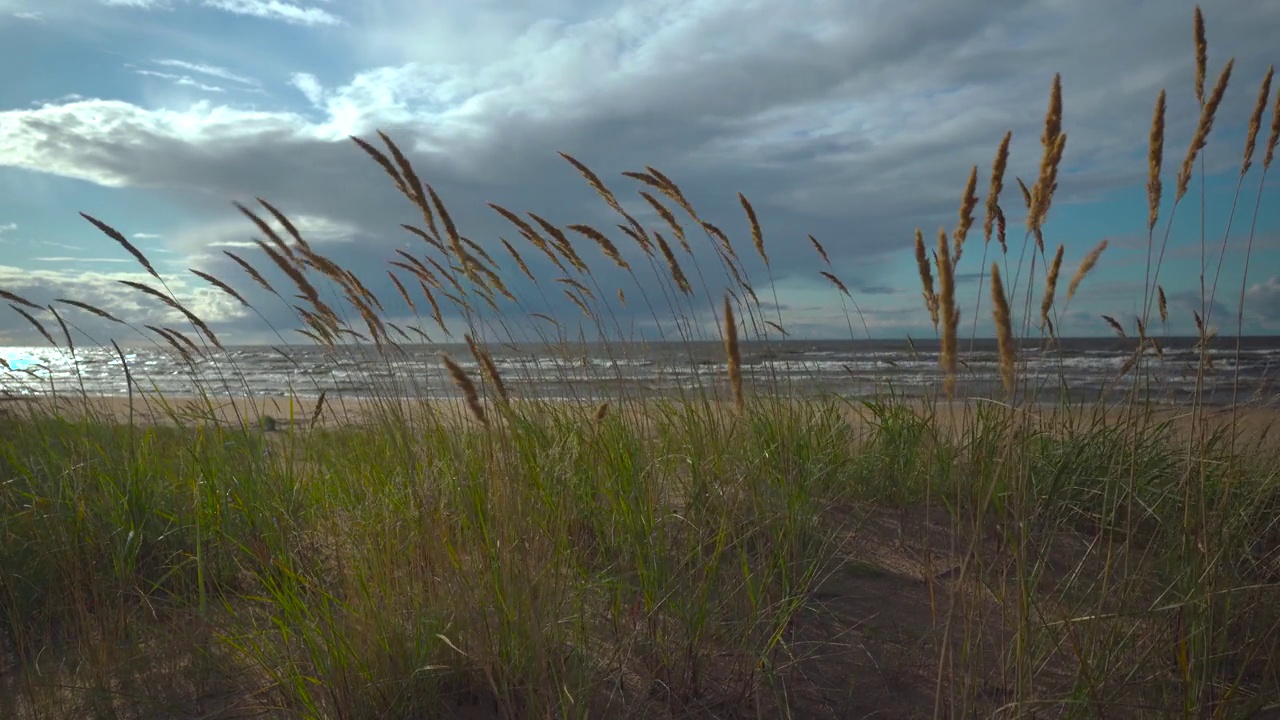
[(468, 388), (968, 202), (1275, 134), (1202, 54), (733, 353), (926, 279), (1085, 266), (1155, 158), (997, 185), (1255, 121), (950, 314), (1203, 128), (1004, 329), (1050, 287)]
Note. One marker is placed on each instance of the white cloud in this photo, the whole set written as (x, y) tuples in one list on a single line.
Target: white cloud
[(184, 80), (80, 259), (210, 70), (105, 290), (107, 132), (1262, 302), (856, 121), (209, 239), (310, 87), (143, 4), (276, 10), (289, 12)]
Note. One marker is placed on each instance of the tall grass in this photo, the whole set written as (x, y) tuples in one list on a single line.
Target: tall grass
[(730, 549)]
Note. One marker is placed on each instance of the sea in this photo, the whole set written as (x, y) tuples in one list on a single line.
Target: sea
[(1080, 369)]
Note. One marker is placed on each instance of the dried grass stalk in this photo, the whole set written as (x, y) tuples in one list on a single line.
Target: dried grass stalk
[(757, 236), (1085, 266), (579, 302), (1163, 305), (1275, 134), (19, 299), (412, 186), (285, 223), (1004, 329), (220, 285), (173, 342), (91, 308), (594, 181), (1155, 158), (124, 243), (733, 353), (267, 230), (35, 323), (483, 357), (468, 388), (821, 250), (561, 242), (676, 273), (1054, 143), (519, 261), (968, 202), (606, 245), (1202, 55), (1051, 286), (190, 316), (404, 293), (1203, 128), (1255, 121), (835, 281), (251, 272), (950, 314), (435, 308), (427, 238), (668, 217), (1001, 226), (382, 161), (926, 279), (1115, 325), (997, 185)]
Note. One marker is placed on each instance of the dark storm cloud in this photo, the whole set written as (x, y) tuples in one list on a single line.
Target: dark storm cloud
[(854, 122)]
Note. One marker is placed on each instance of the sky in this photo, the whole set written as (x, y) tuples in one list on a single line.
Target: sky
[(855, 121)]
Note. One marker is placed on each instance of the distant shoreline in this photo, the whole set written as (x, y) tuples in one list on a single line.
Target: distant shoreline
[(1252, 421)]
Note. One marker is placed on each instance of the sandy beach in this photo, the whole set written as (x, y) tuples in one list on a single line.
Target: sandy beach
[(1252, 422)]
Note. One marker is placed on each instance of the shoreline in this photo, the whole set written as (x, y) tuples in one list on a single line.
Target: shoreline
[(343, 411)]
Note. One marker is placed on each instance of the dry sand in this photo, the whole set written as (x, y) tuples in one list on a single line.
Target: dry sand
[(1251, 421)]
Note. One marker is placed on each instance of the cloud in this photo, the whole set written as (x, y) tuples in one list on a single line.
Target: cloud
[(1262, 302), (289, 12), (142, 4), (185, 80), (104, 290), (78, 259), (210, 70), (276, 10), (98, 140), (856, 122)]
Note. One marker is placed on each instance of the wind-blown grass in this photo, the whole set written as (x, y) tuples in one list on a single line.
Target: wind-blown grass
[(732, 550)]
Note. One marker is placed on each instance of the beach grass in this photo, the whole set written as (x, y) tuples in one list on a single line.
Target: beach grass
[(734, 550)]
